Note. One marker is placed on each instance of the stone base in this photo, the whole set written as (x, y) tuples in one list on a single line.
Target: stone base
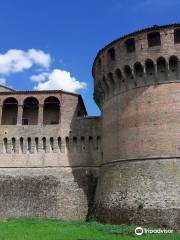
[(46, 192), (144, 192), (159, 218)]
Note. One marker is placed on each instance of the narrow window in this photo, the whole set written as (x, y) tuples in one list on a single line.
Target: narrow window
[(59, 143), (90, 143), (21, 145), (177, 35), (83, 144), (36, 144), (75, 143), (111, 54), (13, 145), (154, 39), (44, 144), (130, 45), (29, 145), (51, 144)]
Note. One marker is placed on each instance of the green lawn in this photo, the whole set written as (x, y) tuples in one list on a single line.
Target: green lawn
[(47, 229)]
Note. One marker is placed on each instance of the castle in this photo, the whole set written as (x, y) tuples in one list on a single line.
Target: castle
[(121, 167)]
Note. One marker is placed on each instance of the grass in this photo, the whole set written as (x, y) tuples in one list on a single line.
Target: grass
[(49, 229)]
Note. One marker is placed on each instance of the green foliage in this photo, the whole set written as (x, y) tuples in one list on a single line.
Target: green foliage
[(51, 229)]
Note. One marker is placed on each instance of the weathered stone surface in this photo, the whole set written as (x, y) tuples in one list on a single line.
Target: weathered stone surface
[(46, 192), (140, 192)]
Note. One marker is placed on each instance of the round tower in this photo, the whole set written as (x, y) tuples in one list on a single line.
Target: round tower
[(137, 88)]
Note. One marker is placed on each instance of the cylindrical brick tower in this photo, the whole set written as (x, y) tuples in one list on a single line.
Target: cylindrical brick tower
[(137, 87)]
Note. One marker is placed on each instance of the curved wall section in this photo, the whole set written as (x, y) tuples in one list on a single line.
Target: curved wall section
[(142, 123), (137, 87), (140, 193), (139, 178), (142, 64)]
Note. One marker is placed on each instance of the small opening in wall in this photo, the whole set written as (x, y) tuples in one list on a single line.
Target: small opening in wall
[(130, 45), (36, 145), (75, 143), (177, 35), (51, 144), (90, 143), (150, 69), (9, 111), (29, 145), (21, 145), (44, 144), (128, 72), (59, 143), (173, 67), (138, 69), (13, 145), (111, 54), (154, 39)]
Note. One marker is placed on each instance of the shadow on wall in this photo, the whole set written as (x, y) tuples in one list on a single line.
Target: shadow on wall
[(89, 153)]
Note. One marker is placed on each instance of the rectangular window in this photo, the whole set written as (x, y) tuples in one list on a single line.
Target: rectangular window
[(154, 39)]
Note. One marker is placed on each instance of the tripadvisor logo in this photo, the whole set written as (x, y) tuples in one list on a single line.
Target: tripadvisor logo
[(140, 231)]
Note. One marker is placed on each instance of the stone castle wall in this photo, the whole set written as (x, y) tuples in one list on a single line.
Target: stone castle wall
[(49, 170), (138, 93), (122, 167)]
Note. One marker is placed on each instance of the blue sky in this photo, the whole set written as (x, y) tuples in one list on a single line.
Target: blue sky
[(52, 44)]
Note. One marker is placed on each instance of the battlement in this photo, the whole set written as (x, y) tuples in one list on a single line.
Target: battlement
[(147, 57), (49, 126)]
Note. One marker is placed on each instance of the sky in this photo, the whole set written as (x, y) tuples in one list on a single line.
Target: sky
[(51, 44)]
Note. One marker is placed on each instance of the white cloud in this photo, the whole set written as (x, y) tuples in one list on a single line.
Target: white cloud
[(58, 79), (2, 81), (16, 60), (40, 77), (39, 57)]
